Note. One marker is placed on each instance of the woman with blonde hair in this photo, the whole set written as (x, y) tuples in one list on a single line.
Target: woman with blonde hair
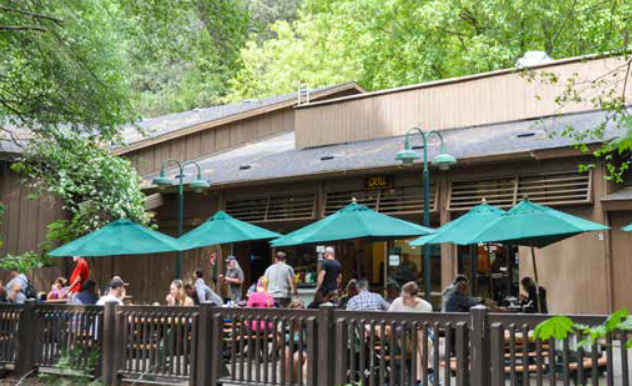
[(178, 296), (261, 299)]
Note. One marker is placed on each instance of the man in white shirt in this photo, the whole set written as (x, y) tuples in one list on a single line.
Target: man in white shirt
[(116, 293)]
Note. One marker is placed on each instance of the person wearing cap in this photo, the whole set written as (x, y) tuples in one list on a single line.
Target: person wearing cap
[(281, 281), (234, 278), (80, 275), (116, 293), (330, 272)]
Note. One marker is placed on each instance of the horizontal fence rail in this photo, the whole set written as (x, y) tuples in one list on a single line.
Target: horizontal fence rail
[(156, 342), (520, 359), (68, 336), (377, 348), (208, 345), (266, 346)]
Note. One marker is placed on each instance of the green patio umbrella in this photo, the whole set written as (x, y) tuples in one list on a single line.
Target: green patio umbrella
[(224, 229), (535, 226), (460, 230), (354, 221), (627, 228), (121, 237)]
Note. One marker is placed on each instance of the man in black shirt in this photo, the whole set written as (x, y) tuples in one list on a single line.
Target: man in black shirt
[(330, 271)]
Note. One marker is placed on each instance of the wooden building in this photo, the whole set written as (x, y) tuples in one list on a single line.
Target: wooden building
[(505, 129), (283, 165)]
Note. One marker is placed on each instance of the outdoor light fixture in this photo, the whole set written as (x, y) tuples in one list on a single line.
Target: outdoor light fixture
[(443, 160), (198, 185)]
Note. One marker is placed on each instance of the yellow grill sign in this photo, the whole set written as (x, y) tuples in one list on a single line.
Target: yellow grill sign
[(378, 182)]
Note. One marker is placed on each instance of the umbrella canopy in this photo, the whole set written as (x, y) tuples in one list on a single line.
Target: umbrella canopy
[(121, 237), (354, 221), (460, 230), (533, 225), (224, 229), (627, 228)]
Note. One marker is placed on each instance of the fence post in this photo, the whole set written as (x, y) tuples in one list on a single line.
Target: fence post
[(205, 349), (27, 344), (480, 346), (108, 373), (326, 346)]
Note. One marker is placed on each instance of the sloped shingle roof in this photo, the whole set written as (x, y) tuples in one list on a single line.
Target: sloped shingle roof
[(277, 158)]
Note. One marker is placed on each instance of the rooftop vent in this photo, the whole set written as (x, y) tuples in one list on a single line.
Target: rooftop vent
[(250, 101), (326, 157), (418, 147), (244, 167), (533, 58), (525, 135)]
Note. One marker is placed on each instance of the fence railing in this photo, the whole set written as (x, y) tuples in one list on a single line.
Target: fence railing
[(208, 345)]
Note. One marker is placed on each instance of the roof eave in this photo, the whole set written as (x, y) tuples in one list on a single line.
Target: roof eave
[(219, 122)]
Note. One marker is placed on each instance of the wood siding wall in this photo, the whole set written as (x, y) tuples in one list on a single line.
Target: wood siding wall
[(483, 100), (194, 146), (24, 224), (621, 259)]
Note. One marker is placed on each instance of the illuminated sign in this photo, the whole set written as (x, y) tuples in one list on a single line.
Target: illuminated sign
[(378, 182)]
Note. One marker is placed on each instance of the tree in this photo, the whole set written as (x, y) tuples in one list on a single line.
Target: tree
[(57, 69), (389, 43)]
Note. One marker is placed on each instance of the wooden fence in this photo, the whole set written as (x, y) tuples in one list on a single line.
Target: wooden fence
[(207, 345)]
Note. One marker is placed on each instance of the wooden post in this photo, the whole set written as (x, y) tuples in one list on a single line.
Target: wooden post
[(216, 356), (205, 349), (326, 346), (108, 374), (27, 344), (480, 346)]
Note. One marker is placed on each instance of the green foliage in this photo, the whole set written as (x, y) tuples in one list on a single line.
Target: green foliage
[(57, 69), (388, 43), (94, 186), (75, 375), (23, 263), (559, 327)]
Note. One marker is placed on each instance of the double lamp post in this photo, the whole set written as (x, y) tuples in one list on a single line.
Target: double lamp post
[(198, 185), (443, 160)]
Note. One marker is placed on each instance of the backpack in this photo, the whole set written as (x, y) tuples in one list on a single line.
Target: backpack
[(29, 291)]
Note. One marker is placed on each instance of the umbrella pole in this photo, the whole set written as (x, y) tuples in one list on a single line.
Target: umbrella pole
[(385, 267), (535, 274)]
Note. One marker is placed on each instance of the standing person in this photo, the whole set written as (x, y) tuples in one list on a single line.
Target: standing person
[(407, 270), (80, 275), (177, 295), (281, 281), (330, 272), (410, 302), (367, 301), (234, 278), (116, 293), (204, 293)]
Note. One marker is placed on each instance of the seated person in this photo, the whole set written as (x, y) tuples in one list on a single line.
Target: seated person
[(447, 292), (459, 300), (88, 294), (292, 362), (350, 291), (58, 290), (530, 301), (321, 297), (365, 300)]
